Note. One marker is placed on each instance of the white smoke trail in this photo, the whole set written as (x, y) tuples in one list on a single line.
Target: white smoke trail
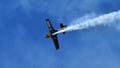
[(109, 19)]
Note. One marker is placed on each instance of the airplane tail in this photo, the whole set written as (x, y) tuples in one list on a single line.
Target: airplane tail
[(62, 26)]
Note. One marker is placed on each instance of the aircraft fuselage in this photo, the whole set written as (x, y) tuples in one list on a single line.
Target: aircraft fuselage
[(52, 31)]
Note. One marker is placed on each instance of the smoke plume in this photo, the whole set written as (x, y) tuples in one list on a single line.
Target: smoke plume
[(110, 19)]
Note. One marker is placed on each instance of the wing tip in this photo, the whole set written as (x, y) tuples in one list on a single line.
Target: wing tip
[(57, 48), (47, 19)]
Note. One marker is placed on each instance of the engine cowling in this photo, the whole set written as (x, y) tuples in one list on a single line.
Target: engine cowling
[(48, 35)]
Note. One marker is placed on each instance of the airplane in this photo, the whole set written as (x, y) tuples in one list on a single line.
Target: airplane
[(52, 30)]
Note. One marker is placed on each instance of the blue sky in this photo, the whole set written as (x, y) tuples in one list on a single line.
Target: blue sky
[(23, 28)]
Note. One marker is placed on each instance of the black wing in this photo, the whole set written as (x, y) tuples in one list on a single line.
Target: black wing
[(53, 37), (49, 24), (55, 40)]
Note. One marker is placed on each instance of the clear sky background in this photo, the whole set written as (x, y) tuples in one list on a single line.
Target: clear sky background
[(23, 29)]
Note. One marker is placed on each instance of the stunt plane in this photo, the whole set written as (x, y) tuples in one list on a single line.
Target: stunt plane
[(52, 31)]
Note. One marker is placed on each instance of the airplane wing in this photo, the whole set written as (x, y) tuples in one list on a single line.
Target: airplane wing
[(53, 37), (49, 24), (55, 40)]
